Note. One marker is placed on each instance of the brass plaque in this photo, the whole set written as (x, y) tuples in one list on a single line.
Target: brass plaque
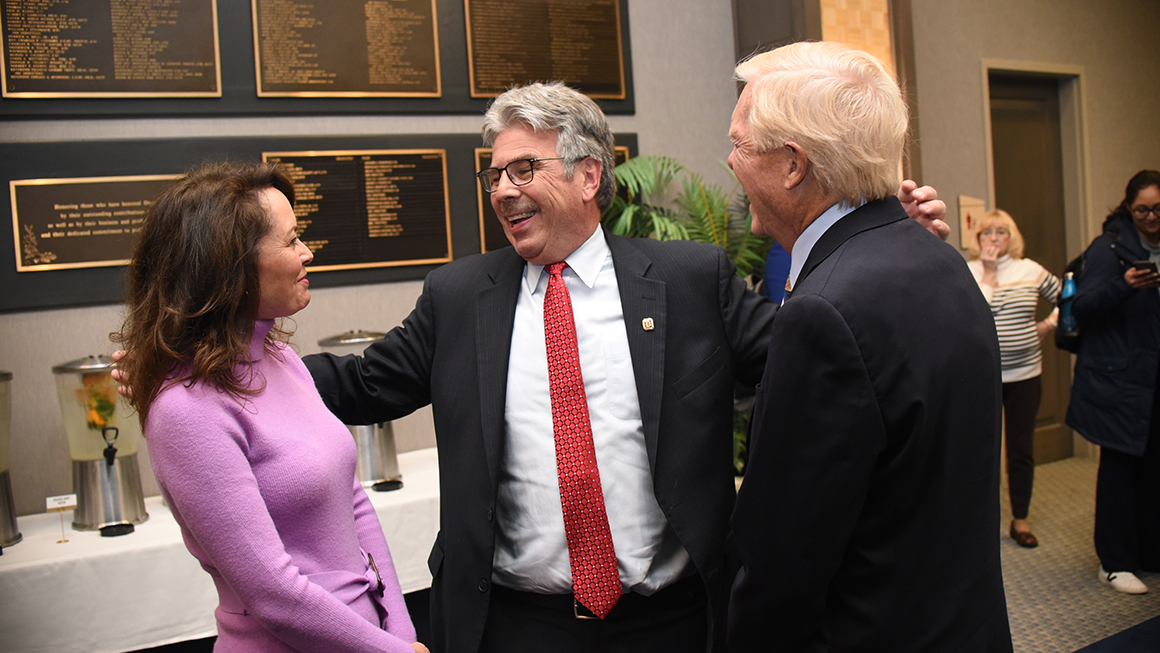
[(512, 42), (83, 222), (346, 48), (110, 48), (371, 208), (491, 235)]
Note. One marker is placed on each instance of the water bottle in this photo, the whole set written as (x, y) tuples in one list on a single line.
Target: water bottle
[(1066, 318)]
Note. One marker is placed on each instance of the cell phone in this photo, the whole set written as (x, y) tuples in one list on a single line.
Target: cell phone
[(1145, 265)]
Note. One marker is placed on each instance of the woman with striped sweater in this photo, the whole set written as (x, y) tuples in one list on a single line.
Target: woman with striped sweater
[(1013, 286)]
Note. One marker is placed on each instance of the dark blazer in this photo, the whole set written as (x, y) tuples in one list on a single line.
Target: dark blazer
[(452, 352), (1115, 370), (869, 515)]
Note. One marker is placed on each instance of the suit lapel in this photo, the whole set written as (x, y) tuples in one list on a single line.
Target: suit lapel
[(642, 298), (494, 319), (868, 216)]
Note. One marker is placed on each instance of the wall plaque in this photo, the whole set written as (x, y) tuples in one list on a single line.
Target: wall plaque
[(346, 48), (371, 208), (59, 224), (578, 42), (110, 48)]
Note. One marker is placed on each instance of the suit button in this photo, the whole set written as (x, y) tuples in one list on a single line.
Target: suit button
[(490, 514), (482, 585)]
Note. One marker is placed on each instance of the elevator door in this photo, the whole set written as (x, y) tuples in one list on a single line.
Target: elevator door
[(1028, 164)]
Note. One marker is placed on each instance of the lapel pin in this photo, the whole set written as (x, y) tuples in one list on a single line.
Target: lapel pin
[(648, 324)]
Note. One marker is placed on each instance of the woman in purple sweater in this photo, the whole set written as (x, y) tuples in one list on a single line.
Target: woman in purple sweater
[(259, 475)]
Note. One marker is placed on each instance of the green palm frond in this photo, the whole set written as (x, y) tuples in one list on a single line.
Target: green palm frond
[(633, 213), (723, 219), (645, 176), (699, 211)]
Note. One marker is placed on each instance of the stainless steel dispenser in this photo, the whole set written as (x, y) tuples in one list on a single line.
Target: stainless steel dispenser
[(103, 437), (9, 533), (378, 462)]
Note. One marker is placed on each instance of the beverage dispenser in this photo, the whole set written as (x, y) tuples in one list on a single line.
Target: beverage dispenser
[(378, 463), (103, 437)]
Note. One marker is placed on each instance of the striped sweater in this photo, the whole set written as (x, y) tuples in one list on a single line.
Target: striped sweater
[(1020, 284)]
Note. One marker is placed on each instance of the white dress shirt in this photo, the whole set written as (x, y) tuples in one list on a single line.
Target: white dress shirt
[(531, 548)]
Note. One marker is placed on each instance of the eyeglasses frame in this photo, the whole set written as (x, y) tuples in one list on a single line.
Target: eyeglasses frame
[(484, 184)]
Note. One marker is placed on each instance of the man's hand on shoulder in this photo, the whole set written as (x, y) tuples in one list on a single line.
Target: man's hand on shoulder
[(922, 204)]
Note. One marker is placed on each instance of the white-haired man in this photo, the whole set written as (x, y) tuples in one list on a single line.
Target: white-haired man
[(868, 517)]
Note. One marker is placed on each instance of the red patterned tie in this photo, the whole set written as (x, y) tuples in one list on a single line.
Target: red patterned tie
[(595, 581)]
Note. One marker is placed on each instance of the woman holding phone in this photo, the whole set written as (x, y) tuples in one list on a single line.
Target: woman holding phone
[(1114, 402)]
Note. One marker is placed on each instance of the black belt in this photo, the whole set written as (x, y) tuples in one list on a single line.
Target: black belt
[(680, 594)]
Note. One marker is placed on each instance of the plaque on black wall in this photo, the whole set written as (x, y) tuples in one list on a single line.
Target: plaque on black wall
[(512, 42), (346, 48), (491, 235), (59, 224), (371, 208), (110, 48)]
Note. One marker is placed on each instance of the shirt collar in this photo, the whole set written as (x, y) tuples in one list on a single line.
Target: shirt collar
[(805, 242), (586, 263)]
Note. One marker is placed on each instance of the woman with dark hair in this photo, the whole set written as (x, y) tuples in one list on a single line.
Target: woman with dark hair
[(1013, 286), (258, 474), (1114, 402)]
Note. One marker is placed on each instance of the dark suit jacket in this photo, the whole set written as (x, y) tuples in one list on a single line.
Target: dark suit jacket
[(452, 352), (868, 519)]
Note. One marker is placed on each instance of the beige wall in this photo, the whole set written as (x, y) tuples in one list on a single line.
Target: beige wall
[(682, 53), (1108, 44)]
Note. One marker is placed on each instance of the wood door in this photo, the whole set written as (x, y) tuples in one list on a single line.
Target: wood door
[(1028, 164)]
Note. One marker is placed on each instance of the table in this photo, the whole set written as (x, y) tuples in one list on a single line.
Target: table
[(98, 594)]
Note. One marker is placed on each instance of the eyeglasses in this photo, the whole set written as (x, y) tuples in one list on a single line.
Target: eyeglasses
[(1143, 211), (520, 172), (994, 232)]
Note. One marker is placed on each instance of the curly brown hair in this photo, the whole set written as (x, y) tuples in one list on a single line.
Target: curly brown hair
[(193, 282)]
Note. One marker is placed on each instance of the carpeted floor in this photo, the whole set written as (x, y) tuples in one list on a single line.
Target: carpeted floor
[(1055, 600)]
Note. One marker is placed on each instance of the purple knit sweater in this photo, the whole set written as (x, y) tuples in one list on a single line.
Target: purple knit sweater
[(266, 496)]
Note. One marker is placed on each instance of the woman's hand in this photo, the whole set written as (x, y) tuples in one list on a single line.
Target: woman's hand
[(120, 377), (1140, 279), (419, 648), (989, 257), (1044, 327)]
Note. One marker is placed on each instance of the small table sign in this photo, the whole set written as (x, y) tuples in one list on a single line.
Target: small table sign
[(59, 504)]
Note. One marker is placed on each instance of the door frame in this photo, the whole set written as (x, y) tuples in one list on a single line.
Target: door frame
[(1080, 214)]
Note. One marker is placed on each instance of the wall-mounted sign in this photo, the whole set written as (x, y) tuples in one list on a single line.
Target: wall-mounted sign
[(346, 48), (971, 210), (511, 42), (110, 48), (59, 224), (371, 208)]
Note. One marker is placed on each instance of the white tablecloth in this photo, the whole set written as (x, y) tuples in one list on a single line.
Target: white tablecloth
[(97, 594)]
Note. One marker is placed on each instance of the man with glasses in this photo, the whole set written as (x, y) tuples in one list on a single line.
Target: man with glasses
[(582, 390)]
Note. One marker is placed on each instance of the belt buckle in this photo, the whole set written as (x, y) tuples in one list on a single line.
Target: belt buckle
[(581, 611)]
